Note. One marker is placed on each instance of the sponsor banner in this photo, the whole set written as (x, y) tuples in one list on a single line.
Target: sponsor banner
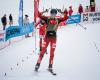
[(2, 36), (90, 17), (74, 19), (14, 31), (27, 29)]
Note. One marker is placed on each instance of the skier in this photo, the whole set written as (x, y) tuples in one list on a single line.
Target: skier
[(42, 27), (50, 37)]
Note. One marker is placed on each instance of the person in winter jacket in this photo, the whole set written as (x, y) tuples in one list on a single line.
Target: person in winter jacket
[(87, 9), (70, 11), (92, 7), (80, 9), (26, 24), (42, 28), (10, 20), (4, 21), (50, 36)]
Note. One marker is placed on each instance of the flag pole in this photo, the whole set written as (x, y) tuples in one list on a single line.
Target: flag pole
[(36, 7)]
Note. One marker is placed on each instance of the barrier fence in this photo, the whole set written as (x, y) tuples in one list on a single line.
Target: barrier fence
[(14, 32)]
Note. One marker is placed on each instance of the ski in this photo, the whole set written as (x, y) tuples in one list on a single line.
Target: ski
[(36, 70), (37, 67), (52, 72)]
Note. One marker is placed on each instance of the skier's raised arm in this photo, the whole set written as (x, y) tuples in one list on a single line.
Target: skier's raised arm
[(40, 15), (64, 18)]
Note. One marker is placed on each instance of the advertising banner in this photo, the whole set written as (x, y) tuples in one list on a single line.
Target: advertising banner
[(14, 31), (74, 19), (91, 17), (2, 36)]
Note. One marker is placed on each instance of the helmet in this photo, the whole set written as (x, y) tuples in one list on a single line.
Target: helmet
[(53, 11)]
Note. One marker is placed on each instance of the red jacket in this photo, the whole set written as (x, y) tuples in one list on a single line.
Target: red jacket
[(80, 9), (70, 12), (45, 18), (66, 12), (42, 29), (92, 8)]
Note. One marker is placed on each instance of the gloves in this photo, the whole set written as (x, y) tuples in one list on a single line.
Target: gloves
[(47, 10), (59, 10)]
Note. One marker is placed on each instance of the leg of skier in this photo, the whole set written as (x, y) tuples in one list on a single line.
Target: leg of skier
[(53, 46), (44, 47), (40, 43), (52, 49)]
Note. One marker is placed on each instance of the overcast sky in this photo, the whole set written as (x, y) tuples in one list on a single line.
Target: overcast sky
[(12, 6)]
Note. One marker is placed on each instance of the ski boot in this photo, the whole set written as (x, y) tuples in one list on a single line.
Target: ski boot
[(50, 69), (37, 67)]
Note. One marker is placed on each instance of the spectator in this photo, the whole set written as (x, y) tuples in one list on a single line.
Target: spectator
[(4, 21), (26, 23), (10, 20), (26, 20), (80, 9), (70, 11), (92, 7), (65, 11), (87, 9)]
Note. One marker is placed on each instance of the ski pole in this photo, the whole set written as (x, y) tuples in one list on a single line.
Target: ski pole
[(79, 24), (96, 47), (35, 39)]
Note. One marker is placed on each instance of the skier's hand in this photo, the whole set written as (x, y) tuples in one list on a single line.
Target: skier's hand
[(46, 10), (59, 10)]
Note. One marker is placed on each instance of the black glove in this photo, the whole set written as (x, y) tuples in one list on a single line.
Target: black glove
[(47, 10), (59, 10)]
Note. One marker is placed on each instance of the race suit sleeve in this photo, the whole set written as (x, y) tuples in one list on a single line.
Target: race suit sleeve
[(63, 19), (41, 16)]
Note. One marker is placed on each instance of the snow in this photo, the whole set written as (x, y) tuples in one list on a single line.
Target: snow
[(76, 56)]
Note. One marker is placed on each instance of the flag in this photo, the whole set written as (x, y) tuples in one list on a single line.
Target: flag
[(20, 13), (36, 6)]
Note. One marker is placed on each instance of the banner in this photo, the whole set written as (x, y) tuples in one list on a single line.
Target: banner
[(74, 19), (12, 31), (20, 13), (2, 36), (15, 31), (27, 29), (90, 17)]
